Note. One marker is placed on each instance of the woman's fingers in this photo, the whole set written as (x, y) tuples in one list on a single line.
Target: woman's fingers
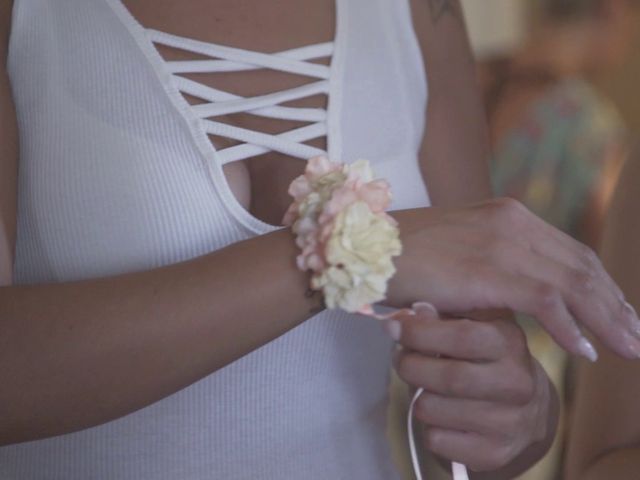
[(485, 398), (586, 295), (507, 382), (478, 453), (567, 250), (428, 334), (584, 261), (473, 416), (568, 265), (496, 288)]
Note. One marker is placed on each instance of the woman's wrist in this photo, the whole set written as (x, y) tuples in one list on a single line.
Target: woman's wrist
[(405, 284), (346, 239), (281, 278)]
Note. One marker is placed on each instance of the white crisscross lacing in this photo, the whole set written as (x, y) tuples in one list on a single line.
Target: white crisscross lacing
[(218, 102)]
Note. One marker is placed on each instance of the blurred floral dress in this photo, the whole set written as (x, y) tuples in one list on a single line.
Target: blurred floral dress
[(553, 159)]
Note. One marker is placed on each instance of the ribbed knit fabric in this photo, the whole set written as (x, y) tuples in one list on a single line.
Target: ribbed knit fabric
[(117, 174)]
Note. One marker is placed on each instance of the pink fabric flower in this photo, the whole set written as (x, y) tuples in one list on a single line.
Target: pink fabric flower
[(346, 238)]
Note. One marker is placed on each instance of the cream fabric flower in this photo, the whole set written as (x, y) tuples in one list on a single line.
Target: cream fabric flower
[(347, 239), (359, 255)]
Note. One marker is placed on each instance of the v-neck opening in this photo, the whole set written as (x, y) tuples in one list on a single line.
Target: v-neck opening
[(207, 150)]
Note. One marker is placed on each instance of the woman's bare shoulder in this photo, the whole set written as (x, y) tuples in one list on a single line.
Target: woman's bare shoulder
[(8, 153), (5, 25)]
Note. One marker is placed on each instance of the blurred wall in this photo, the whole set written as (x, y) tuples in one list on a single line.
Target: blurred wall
[(498, 26), (483, 16)]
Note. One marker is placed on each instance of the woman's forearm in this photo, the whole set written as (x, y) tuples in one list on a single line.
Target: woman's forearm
[(79, 354), (455, 148)]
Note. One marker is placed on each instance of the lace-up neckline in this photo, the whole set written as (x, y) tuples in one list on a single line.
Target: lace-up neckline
[(201, 118), (219, 102)]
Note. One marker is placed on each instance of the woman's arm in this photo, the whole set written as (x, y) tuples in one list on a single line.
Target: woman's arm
[(78, 354), (8, 152), (455, 150), (605, 437)]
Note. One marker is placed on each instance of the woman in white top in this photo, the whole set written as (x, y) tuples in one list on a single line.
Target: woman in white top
[(154, 324)]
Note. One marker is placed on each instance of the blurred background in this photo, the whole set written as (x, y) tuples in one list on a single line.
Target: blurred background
[(499, 27), (559, 80)]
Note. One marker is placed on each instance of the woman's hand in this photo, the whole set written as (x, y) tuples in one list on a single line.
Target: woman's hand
[(499, 255), (487, 402)]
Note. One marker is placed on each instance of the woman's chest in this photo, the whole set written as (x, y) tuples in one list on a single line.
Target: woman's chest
[(259, 182)]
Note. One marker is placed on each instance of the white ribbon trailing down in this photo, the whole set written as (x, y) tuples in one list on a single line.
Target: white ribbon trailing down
[(458, 470)]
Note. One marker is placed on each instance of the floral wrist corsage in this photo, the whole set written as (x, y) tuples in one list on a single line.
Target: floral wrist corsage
[(346, 239)]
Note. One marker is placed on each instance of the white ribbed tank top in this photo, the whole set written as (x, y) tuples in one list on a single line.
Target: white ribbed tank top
[(117, 174)]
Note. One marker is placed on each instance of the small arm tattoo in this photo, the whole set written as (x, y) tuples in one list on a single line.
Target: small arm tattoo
[(318, 298), (439, 8)]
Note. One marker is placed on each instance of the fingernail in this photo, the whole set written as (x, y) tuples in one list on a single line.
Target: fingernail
[(635, 322), (632, 345), (587, 350), (393, 328), (426, 308), (635, 328), (629, 308)]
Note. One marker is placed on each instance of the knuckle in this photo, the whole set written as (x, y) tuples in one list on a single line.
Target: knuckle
[(508, 210), (495, 459), (478, 465), (589, 258), (409, 332), (519, 387), (524, 393), (502, 456), (464, 335), (547, 299), (455, 379), (582, 281), (493, 335), (516, 340), (404, 367), (510, 423), (423, 409), (432, 439)]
